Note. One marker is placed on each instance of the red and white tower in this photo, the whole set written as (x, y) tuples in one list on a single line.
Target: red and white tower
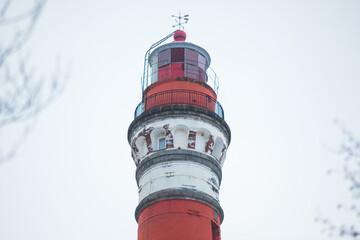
[(179, 140)]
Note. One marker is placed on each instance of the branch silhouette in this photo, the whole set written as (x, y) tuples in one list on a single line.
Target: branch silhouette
[(349, 153), (23, 93)]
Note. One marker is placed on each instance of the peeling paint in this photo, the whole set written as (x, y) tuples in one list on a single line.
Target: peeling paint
[(192, 139), (209, 147), (223, 151), (146, 133), (180, 134), (164, 165), (169, 139), (135, 151), (169, 174), (178, 175), (133, 145), (214, 186)]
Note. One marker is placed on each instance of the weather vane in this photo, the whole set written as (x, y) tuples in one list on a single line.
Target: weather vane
[(180, 20)]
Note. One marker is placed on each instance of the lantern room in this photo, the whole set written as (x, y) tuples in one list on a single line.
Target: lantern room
[(179, 59)]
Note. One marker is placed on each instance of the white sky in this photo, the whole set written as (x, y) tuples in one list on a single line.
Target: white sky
[(287, 69)]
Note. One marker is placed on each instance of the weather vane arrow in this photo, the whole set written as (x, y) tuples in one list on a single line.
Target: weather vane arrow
[(180, 20)]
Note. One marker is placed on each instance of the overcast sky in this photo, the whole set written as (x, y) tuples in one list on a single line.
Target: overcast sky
[(287, 69)]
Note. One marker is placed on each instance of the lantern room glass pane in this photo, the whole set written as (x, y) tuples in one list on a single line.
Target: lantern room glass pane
[(191, 57), (177, 55), (202, 68), (192, 71), (202, 62), (202, 75), (154, 69), (164, 57), (191, 67)]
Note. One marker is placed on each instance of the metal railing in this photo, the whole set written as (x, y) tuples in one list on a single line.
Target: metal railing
[(182, 97)]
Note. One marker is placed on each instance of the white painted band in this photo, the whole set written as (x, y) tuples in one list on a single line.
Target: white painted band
[(179, 175)]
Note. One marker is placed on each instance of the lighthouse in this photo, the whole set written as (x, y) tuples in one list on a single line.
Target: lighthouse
[(178, 141)]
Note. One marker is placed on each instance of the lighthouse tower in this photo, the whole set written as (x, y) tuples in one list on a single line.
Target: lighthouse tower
[(178, 141)]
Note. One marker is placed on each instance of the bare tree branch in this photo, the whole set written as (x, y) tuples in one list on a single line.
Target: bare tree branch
[(23, 93), (349, 152), (19, 38)]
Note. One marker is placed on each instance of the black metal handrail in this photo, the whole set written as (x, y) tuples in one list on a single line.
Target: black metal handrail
[(180, 96)]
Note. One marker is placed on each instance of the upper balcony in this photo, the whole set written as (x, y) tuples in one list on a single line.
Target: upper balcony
[(180, 97)]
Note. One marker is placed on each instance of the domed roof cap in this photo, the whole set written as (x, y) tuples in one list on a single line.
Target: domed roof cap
[(179, 36)]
